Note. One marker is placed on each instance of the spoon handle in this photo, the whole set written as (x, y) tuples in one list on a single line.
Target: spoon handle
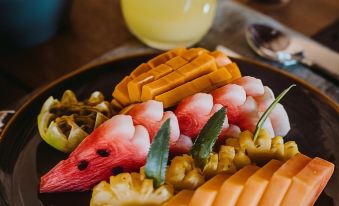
[(322, 71)]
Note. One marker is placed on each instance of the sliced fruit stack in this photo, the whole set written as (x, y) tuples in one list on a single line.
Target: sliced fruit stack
[(299, 181), (174, 75)]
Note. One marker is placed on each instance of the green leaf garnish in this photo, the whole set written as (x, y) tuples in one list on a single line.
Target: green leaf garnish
[(268, 112), (207, 137), (158, 155)]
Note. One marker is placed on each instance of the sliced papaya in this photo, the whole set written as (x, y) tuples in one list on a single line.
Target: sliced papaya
[(307, 185), (231, 189), (206, 193), (256, 184), (281, 180), (180, 199)]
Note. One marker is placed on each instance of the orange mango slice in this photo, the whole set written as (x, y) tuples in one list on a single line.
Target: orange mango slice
[(282, 179), (257, 183), (308, 183), (121, 93), (180, 199), (206, 193), (231, 189)]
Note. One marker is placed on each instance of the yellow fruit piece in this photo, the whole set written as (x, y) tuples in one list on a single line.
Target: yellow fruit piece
[(176, 62), (116, 105), (234, 70), (121, 93), (231, 189), (180, 199), (257, 183), (282, 179), (134, 86), (206, 193), (142, 68), (193, 53), (160, 71), (130, 189), (217, 78), (168, 82)]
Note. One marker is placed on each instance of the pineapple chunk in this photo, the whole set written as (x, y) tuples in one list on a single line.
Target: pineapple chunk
[(127, 189)]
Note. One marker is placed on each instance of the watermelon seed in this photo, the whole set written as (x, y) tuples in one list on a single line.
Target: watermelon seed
[(82, 165), (102, 153), (117, 170)]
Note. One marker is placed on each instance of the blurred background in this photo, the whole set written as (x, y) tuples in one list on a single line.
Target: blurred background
[(43, 40)]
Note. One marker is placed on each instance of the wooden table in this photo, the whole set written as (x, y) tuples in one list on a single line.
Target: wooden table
[(98, 26)]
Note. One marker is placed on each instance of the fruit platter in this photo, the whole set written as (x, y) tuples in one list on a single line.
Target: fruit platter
[(185, 127)]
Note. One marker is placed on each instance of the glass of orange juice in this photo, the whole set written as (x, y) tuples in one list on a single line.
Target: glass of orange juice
[(166, 24)]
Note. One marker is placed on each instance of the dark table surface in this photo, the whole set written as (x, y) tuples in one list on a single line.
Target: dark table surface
[(96, 27)]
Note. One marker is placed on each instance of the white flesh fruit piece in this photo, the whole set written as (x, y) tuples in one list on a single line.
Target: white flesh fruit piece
[(252, 86), (280, 121), (150, 110), (141, 138), (265, 100)]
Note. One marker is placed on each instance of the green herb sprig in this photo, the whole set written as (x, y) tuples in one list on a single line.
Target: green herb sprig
[(268, 112)]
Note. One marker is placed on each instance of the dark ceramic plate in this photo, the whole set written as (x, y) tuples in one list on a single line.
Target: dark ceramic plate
[(24, 157)]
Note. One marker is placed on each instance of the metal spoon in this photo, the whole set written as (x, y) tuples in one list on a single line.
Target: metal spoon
[(273, 44)]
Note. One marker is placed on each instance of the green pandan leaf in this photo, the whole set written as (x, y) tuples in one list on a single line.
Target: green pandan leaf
[(268, 112), (207, 137), (158, 155)]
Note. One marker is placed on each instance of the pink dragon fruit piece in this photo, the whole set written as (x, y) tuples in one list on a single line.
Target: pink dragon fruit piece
[(250, 115), (116, 145), (151, 115), (182, 146), (230, 96), (252, 86), (280, 121), (233, 131), (279, 118), (194, 111)]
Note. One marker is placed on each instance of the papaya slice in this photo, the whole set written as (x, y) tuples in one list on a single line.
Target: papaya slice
[(308, 183), (231, 189), (121, 93), (257, 183), (281, 180), (180, 199), (206, 193)]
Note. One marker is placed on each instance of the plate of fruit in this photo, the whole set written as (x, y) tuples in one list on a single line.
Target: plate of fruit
[(184, 127)]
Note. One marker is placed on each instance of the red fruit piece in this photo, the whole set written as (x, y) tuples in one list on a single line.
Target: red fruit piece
[(116, 145), (182, 146), (151, 115), (230, 96), (194, 111)]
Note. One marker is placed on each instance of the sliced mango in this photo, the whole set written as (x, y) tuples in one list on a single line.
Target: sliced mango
[(134, 86), (193, 53), (257, 183), (121, 93), (116, 105), (206, 193), (308, 183), (142, 68), (234, 70), (282, 179), (231, 189), (204, 83), (176, 62), (180, 199)]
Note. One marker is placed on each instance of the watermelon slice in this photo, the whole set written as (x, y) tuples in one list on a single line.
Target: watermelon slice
[(116, 145), (230, 96), (151, 115), (194, 111), (252, 85)]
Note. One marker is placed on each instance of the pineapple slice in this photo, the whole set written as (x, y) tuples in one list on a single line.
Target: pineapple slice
[(183, 174), (130, 189)]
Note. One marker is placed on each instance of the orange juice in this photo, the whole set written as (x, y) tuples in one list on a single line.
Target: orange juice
[(166, 24)]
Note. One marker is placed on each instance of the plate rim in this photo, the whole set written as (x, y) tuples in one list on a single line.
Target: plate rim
[(90, 66)]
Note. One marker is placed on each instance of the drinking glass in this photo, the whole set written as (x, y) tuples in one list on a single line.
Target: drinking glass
[(166, 24)]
